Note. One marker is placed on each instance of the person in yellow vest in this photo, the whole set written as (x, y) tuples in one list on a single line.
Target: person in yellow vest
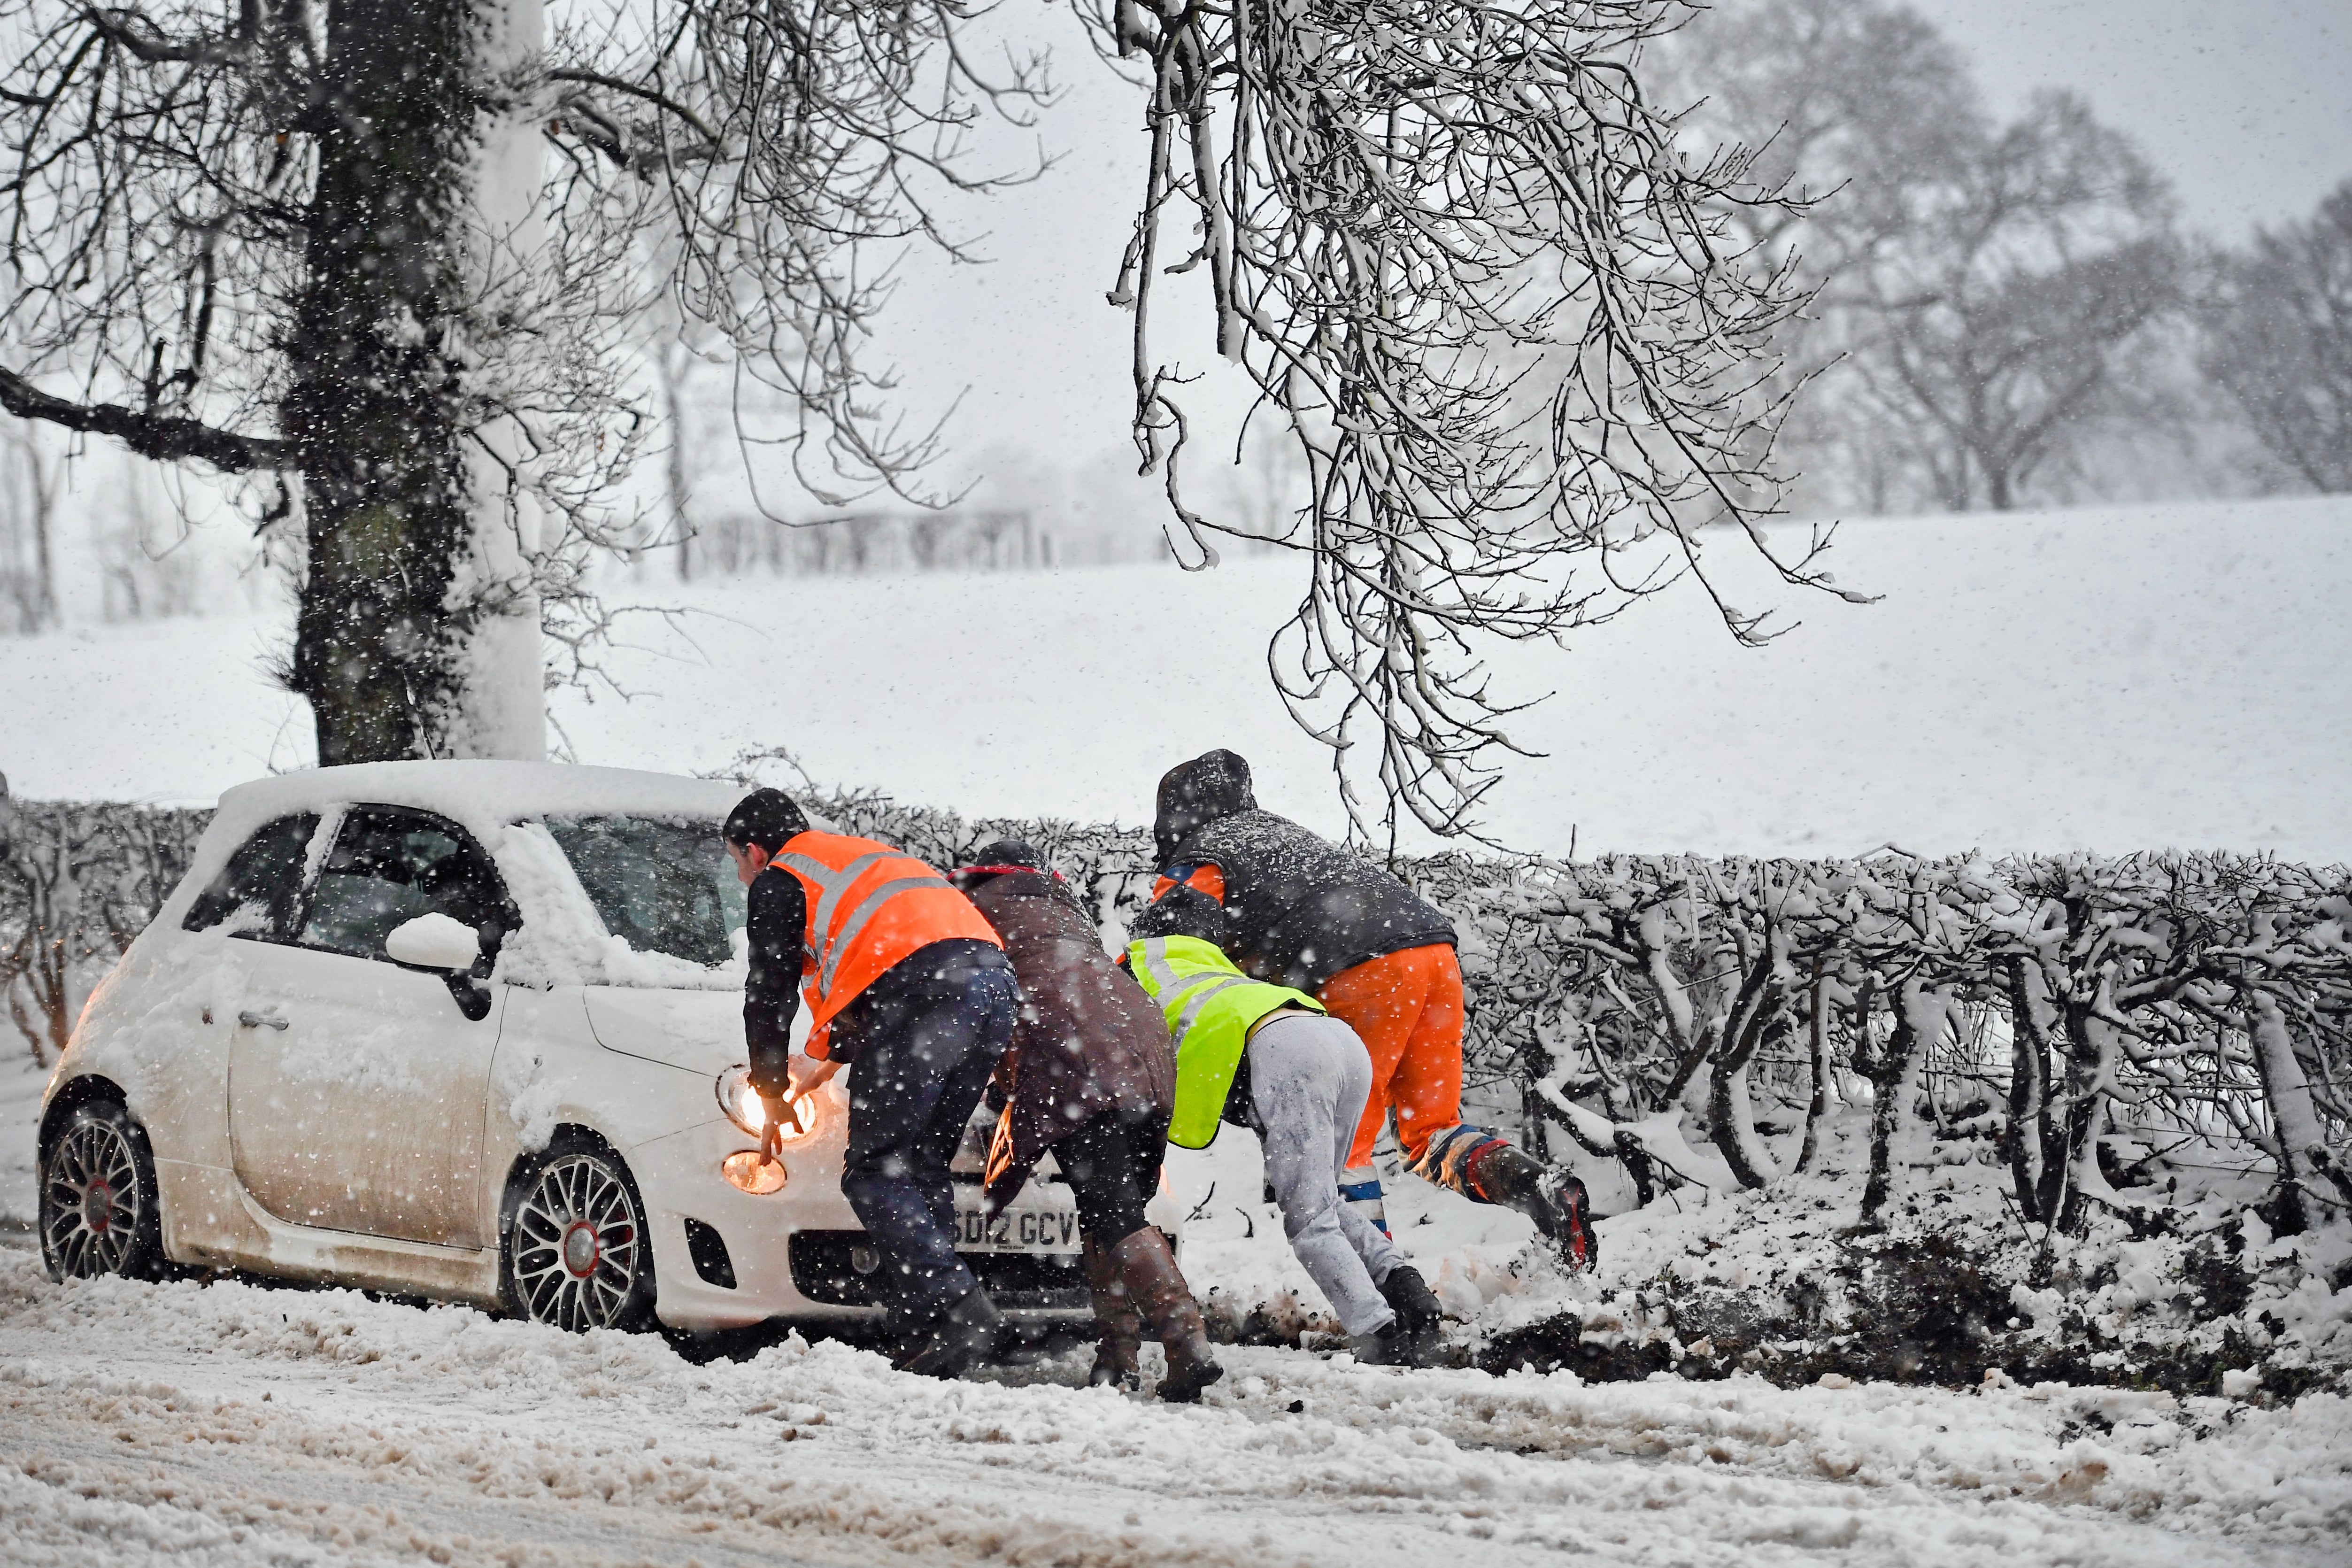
[(1271, 1057), (909, 986)]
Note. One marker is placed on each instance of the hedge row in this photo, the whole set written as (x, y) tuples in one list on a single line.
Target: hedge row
[(2107, 1023)]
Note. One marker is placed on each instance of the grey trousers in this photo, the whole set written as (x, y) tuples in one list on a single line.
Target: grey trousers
[(1309, 1077)]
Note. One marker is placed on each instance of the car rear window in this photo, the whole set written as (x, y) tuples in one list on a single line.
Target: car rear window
[(260, 881), (661, 886)]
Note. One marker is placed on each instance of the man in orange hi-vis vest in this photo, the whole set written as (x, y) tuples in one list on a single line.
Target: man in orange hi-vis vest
[(908, 988), (1290, 908)]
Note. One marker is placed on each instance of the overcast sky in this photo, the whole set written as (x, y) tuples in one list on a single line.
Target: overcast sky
[(2244, 102)]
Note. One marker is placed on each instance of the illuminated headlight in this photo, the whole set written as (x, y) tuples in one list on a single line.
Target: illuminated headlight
[(745, 1108), (753, 1174)]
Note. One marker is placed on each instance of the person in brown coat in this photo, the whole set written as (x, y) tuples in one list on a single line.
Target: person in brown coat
[(1090, 1077)]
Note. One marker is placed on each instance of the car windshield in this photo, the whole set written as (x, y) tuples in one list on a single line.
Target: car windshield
[(664, 887)]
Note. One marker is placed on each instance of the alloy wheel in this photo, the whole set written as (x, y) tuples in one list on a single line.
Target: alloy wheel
[(91, 1201), (579, 1245)]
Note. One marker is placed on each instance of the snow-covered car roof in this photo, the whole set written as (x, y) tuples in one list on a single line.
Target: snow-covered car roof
[(484, 795), (562, 938)]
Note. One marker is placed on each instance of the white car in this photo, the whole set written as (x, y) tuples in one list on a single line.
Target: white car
[(473, 1030)]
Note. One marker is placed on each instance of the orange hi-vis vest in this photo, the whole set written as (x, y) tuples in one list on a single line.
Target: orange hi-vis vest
[(869, 906)]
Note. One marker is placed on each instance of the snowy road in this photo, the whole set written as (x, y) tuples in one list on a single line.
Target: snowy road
[(235, 1424)]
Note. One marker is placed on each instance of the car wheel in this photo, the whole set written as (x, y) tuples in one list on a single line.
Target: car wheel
[(99, 1210), (575, 1251)]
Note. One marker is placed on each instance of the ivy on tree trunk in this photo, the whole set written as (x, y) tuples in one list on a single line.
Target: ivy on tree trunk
[(374, 402)]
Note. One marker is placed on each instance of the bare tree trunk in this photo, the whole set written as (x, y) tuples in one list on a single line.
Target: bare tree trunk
[(2000, 487), (1819, 1108), (1897, 1076), (2029, 1131), (673, 392), (35, 592), (2090, 1065), (1730, 1114), (418, 634), (46, 478), (2294, 1121), (373, 408)]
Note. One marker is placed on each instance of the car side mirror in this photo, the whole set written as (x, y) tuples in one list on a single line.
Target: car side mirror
[(433, 941)]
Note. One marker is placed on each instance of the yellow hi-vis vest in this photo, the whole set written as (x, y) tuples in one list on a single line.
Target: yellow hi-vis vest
[(1210, 1007)]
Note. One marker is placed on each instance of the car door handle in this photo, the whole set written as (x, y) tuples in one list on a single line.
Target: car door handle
[(261, 1020)]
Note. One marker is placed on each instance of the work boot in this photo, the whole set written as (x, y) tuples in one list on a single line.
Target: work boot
[(1115, 1314), (1422, 1320), (1147, 1265), (1390, 1344), (964, 1334), (1502, 1174)]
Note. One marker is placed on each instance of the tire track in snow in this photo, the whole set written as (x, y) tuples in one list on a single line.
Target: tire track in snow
[(320, 1423)]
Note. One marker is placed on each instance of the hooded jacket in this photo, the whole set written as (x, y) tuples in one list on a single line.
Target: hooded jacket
[(1291, 907), (1089, 1042)]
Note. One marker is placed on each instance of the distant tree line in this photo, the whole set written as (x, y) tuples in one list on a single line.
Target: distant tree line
[(2009, 312), (952, 539)]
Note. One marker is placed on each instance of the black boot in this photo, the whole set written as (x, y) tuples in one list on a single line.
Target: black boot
[(1419, 1316), (964, 1334), (1390, 1344), (1502, 1173)]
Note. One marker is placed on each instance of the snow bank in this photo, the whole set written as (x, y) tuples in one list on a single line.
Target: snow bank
[(1780, 1282)]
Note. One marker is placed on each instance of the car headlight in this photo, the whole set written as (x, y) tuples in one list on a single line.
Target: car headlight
[(753, 1174), (746, 1111)]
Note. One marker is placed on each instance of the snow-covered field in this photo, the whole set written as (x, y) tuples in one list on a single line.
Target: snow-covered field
[(2120, 679), (232, 1424)]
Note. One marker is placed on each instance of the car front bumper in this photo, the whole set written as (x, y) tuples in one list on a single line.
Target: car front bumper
[(797, 1254)]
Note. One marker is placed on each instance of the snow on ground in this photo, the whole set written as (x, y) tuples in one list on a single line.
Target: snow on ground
[(228, 1423), (2115, 679), (2202, 1300), (1235, 1256)]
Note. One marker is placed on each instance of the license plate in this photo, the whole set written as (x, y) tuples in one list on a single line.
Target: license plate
[(1021, 1230)]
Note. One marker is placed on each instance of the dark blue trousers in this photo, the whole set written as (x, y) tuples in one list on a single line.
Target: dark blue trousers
[(925, 1055)]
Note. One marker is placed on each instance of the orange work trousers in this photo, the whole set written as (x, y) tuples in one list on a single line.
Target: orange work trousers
[(1407, 1008)]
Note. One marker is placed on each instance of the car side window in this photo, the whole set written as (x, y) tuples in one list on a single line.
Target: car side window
[(257, 892), (389, 865)]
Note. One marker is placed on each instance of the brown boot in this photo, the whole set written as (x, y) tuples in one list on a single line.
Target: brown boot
[(1115, 1314), (1148, 1265)]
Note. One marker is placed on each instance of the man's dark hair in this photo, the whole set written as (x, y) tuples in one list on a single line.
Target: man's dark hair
[(1011, 852), (765, 819), (993, 861), (1211, 787)]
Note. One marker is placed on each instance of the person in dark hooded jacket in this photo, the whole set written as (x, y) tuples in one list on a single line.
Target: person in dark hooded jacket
[(1291, 907), (1090, 1078)]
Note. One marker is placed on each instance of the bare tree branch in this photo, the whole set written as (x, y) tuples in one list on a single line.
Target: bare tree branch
[(1505, 321), (167, 438)]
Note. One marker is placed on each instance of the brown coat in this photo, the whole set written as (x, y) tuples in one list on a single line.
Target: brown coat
[(1089, 1040)]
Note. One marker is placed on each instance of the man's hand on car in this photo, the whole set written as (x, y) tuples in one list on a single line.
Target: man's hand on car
[(776, 1108)]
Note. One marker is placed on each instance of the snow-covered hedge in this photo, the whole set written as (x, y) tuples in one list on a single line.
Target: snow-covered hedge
[(77, 882), (2105, 1026), (2118, 1031)]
